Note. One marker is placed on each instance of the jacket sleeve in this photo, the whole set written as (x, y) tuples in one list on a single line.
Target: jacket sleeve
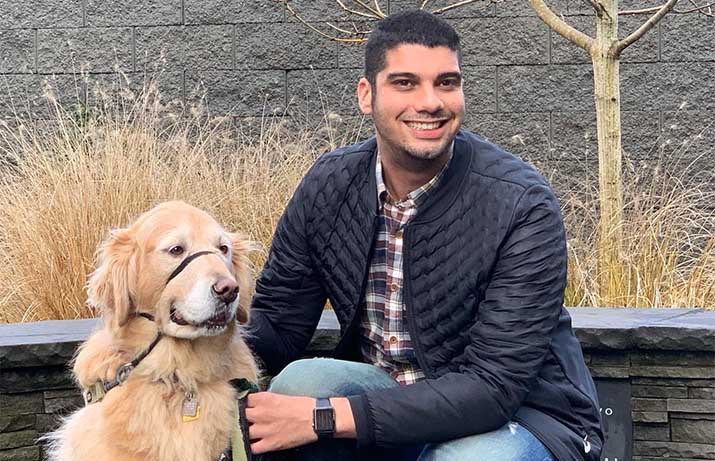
[(289, 297), (509, 342)]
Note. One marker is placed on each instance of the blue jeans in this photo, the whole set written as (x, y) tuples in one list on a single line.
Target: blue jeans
[(334, 378)]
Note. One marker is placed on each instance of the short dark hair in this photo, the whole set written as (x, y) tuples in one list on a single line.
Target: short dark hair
[(414, 27)]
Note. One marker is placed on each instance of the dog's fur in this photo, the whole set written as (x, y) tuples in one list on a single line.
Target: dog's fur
[(141, 420)]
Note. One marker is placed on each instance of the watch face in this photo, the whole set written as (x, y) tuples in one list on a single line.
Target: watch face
[(324, 421)]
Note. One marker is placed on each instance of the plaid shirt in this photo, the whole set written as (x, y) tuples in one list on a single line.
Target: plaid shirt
[(386, 339)]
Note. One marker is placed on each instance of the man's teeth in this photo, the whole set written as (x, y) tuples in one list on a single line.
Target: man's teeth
[(424, 126)]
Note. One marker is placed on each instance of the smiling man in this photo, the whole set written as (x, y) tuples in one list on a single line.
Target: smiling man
[(444, 259)]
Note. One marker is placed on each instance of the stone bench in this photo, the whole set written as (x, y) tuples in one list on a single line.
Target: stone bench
[(654, 369)]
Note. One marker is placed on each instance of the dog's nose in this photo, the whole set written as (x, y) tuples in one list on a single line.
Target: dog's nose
[(225, 289)]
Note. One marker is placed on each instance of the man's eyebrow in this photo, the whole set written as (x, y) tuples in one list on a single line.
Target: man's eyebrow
[(409, 75), (396, 75), (456, 75)]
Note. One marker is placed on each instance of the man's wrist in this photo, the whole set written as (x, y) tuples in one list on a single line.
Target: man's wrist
[(344, 421)]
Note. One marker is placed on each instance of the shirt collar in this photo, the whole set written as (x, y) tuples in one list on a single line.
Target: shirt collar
[(417, 196)]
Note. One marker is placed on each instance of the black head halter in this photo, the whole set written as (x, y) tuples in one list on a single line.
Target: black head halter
[(186, 262)]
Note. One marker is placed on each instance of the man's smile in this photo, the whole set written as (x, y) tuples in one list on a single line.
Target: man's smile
[(424, 129)]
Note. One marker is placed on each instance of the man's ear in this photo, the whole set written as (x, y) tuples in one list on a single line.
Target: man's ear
[(108, 286), (242, 270), (364, 94)]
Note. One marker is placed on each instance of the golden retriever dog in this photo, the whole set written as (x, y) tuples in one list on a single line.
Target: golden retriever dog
[(175, 278)]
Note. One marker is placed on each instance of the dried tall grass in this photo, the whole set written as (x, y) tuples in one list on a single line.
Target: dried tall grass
[(64, 184), (668, 247)]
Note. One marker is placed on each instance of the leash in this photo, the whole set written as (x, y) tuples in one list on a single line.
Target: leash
[(240, 445)]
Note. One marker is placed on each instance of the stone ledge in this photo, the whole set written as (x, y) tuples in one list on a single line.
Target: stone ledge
[(654, 329), (52, 343)]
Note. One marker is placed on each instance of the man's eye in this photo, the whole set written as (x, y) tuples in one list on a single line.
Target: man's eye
[(451, 83), (403, 83)]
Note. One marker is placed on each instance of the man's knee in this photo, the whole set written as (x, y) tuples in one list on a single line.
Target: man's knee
[(323, 377)]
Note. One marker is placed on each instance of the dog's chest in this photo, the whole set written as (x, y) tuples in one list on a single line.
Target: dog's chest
[(176, 425)]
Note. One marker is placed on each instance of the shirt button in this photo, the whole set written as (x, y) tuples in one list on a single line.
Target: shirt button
[(398, 234), (394, 287), (393, 339)]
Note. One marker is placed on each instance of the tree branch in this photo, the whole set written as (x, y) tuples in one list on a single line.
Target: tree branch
[(355, 30), (599, 8), (363, 9), (456, 5), (621, 45), (561, 27), (698, 8), (643, 11), (379, 10), (353, 39), (376, 12), (372, 14)]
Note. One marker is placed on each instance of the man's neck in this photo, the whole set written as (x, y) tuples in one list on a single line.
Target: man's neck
[(402, 177)]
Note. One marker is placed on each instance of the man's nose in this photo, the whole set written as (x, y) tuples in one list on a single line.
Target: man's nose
[(428, 100)]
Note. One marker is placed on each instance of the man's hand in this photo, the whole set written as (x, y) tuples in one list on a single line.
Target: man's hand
[(278, 422)]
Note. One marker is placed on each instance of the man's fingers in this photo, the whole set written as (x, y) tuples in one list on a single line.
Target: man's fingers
[(260, 447), (259, 431), (278, 421), (253, 415), (257, 398)]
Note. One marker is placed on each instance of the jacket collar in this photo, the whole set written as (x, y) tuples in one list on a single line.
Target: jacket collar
[(446, 191)]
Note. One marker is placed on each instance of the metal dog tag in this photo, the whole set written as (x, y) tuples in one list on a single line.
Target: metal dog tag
[(190, 410)]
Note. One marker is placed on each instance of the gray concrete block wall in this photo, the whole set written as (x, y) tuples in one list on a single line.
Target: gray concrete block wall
[(526, 87)]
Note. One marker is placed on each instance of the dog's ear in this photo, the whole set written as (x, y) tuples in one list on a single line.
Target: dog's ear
[(108, 286), (242, 269)]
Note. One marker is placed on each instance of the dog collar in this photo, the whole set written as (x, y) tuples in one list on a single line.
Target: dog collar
[(96, 392)]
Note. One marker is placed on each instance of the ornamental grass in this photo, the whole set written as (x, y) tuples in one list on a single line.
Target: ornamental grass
[(668, 247), (65, 182)]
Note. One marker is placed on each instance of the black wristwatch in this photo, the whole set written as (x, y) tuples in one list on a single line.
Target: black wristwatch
[(324, 419)]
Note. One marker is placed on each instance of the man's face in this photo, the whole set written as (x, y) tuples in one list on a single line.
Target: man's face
[(417, 104)]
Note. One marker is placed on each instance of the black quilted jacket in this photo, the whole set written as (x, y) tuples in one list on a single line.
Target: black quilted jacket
[(485, 270)]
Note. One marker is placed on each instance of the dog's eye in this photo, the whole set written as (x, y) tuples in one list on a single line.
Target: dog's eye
[(176, 250), (223, 249)]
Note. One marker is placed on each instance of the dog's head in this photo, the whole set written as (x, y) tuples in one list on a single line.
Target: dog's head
[(178, 264)]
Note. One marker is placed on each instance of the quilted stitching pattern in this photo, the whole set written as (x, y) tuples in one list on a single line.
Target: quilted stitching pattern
[(485, 271)]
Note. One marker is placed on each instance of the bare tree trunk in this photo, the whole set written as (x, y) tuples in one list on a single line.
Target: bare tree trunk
[(605, 51), (605, 59)]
